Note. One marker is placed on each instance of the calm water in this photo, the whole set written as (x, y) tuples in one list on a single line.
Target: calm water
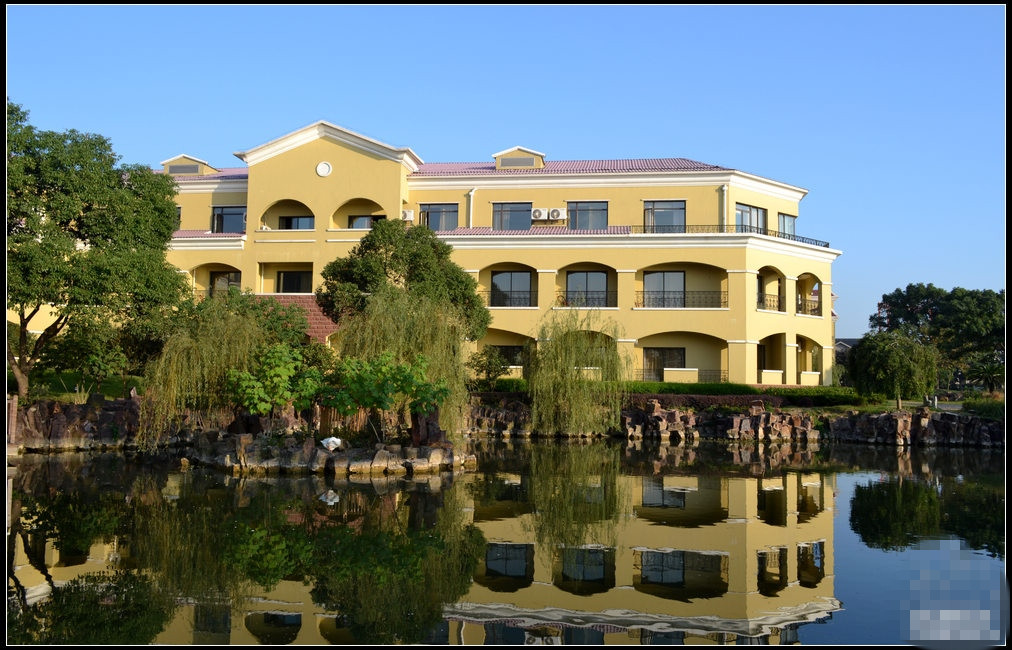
[(547, 543)]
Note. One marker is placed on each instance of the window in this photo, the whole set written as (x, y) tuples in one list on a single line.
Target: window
[(184, 169), (229, 218), (296, 223), (663, 567), (295, 282), (664, 289), (655, 496), (511, 216), (507, 559), (222, 280), (179, 216), (655, 360), (517, 161), (363, 221), (588, 289), (787, 224), (511, 289), (587, 215), (748, 218), (513, 354), (664, 216), (439, 216)]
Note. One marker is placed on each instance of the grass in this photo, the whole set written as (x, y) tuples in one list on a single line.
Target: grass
[(68, 387)]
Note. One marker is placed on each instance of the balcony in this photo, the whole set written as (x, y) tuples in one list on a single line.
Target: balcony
[(770, 302), (809, 307), (587, 299), (681, 299), (498, 298), (755, 230)]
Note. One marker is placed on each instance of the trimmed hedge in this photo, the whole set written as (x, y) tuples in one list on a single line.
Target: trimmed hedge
[(703, 396)]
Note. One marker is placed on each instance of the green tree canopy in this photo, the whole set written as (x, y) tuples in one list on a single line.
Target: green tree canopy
[(966, 325), (409, 258), (84, 236), (892, 363)]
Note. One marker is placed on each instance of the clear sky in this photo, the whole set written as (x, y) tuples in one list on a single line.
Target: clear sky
[(892, 117)]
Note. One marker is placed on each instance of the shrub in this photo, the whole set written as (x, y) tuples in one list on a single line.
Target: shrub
[(986, 407)]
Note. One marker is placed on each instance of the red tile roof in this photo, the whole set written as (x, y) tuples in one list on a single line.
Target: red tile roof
[(631, 165)]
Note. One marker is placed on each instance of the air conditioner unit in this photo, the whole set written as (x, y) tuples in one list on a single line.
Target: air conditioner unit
[(408, 215), (539, 214), (557, 214)]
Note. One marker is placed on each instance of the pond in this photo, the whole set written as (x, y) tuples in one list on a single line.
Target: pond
[(589, 543)]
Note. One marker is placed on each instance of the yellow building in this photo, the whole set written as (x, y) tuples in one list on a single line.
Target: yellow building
[(699, 266)]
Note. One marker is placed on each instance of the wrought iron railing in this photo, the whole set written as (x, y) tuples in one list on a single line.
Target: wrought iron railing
[(496, 298), (587, 299), (756, 230), (809, 307), (770, 302), (681, 299)]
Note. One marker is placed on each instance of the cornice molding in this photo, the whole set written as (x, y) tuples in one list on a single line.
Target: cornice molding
[(203, 186), (207, 243)]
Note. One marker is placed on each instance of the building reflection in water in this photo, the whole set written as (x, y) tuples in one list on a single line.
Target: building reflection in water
[(698, 559)]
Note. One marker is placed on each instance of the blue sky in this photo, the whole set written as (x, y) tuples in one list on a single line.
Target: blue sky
[(892, 117)]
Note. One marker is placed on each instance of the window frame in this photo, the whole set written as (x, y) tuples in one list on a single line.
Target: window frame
[(783, 219), (230, 281), (501, 209), (280, 280), (373, 218), (426, 210), (292, 220), (650, 210), (510, 300), (218, 218), (664, 300), (757, 218), (578, 211)]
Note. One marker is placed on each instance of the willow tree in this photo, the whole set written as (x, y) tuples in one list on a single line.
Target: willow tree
[(894, 364), (407, 325), (212, 338), (574, 377)]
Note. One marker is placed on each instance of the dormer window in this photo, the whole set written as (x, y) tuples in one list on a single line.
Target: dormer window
[(517, 161), (184, 165), (519, 158)]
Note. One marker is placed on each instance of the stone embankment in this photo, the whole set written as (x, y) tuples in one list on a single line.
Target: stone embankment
[(110, 425), (922, 427)]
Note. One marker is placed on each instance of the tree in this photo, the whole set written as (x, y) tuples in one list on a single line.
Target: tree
[(211, 338), (894, 364), (85, 237), (573, 377), (488, 365), (381, 384), (89, 347), (963, 323), (279, 381), (413, 259)]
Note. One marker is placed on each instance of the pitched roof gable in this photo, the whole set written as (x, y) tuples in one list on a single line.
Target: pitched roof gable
[(327, 131)]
